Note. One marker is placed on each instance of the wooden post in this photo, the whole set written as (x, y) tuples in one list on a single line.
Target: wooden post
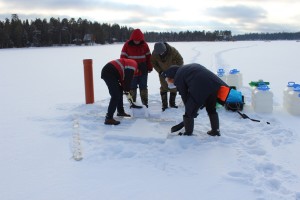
[(88, 80)]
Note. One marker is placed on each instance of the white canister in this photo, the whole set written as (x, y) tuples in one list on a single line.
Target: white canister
[(260, 83), (287, 89), (262, 100), (235, 78), (293, 106)]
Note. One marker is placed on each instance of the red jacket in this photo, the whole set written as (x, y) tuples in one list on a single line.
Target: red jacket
[(140, 53), (126, 69)]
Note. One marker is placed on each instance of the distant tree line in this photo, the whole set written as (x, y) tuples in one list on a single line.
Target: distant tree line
[(58, 32), (17, 33), (268, 36), (38, 32)]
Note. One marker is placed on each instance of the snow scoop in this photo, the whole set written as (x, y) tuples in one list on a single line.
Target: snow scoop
[(130, 100), (244, 116), (177, 127)]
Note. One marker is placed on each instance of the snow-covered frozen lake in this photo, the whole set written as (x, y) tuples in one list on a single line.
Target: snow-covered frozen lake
[(42, 99)]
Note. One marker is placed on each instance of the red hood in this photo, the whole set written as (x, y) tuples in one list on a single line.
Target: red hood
[(137, 35)]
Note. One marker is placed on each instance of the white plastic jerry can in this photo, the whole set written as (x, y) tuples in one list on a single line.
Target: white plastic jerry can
[(293, 106), (262, 100), (286, 97), (235, 78), (221, 74), (261, 83)]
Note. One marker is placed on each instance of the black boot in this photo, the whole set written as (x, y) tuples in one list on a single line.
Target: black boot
[(172, 100), (124, 114), (188, 125), (121, 112), (214, 122), (164, 100), (144, 97)]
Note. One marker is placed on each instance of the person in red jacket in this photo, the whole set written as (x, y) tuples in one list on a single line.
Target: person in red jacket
[(117, 75), (137, 49)]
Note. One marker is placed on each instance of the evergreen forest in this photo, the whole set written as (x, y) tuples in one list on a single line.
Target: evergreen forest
[(17, 33)]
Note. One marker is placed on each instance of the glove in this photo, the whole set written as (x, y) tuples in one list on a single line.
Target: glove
[(177, 127)]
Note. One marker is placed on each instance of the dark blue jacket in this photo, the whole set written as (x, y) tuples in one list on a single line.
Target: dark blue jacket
[(195, 83)]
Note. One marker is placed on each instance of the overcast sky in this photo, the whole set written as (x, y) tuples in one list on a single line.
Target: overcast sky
[(239, 16)]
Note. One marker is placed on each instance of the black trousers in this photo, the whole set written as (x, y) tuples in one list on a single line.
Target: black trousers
[(210, 104), (111, 78), (191, 110)]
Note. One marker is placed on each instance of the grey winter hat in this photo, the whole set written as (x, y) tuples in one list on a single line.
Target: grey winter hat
[(159, 48), (171, 71)]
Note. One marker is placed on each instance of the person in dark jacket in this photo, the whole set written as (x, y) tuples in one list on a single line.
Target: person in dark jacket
[(136, 48), (163, 56), (199, 88), (117, 75)]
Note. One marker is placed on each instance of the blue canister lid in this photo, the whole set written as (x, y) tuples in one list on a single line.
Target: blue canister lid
[(296, 85), (263, 87), (234, 71), (297, 89), (291, 84), (221, 72)]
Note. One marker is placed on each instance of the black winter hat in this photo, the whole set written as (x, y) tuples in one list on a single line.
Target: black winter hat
[(159, 48), (171, 71)]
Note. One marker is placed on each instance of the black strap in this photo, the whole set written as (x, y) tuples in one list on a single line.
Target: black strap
[(244, 116), (234, 106)]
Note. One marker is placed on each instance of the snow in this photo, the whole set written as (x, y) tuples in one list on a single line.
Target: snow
[(44, 120)]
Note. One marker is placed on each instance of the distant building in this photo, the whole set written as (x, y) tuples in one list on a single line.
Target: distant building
[(77, 41), (89, 39)]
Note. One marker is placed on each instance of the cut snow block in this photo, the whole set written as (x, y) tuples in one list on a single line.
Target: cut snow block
[(140, 112), (141, 131)]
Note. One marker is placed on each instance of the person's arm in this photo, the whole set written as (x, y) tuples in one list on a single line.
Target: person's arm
[(155, 65), (124, 51), (148, 58), (127, 79), (177, 58)]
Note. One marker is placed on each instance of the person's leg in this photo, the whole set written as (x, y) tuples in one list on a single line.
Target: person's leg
[(213, 115), (163, 93), (143, 79), (113, 88), (134, 85), (188, 123), (164, 100), (120, 107), (172, 100)]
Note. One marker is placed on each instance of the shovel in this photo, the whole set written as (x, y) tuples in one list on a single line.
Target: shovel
[(130, 100), (244, 116)]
